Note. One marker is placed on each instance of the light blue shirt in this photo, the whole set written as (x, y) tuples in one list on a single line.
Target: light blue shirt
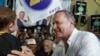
[(82, 43)]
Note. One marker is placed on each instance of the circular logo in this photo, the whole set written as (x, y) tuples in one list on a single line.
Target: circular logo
[(38, 4), (80, 9)]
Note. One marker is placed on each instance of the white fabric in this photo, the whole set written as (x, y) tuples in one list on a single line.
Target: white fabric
[(83, 43), (31, 41), (59, 49), (65, 4), (27, 23)]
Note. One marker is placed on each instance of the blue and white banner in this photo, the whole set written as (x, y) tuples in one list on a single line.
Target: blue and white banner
[(19, 8), (40, 9), (65, 4)]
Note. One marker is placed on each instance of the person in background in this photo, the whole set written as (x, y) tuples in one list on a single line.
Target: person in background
[(30, 33), (46, 22), (31, 43), (21, 22), (22, 36), (47, 48), (76, 42)]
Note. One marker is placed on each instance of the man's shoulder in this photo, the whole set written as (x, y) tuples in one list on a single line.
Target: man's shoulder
[(18, 19), (88, 37), (7, 38), (86, 33), (85, 36)]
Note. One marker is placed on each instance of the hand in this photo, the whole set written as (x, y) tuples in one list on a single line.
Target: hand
[(28, 18), (27, 52)]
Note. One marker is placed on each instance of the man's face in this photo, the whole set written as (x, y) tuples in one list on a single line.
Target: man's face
[(47, 47), (61, 25), (21, 15)]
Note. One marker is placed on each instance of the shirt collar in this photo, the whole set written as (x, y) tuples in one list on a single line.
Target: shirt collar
[(72, 37)]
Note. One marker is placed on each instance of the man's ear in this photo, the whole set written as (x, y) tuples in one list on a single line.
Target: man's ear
[(71, 22), (10, 26)]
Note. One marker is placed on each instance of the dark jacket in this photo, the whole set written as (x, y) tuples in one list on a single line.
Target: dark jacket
[(8, 42), (42, 53), (20, 24)]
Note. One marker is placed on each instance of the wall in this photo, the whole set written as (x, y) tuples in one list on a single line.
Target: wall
[(92, 8)]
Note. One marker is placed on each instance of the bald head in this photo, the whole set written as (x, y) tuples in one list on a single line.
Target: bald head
[(66, 14), (63, 24)]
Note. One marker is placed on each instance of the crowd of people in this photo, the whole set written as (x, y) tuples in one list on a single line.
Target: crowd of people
[(65, 40)]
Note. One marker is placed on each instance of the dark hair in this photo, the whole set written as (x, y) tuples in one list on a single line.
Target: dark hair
[(67, 14), (7, 16)]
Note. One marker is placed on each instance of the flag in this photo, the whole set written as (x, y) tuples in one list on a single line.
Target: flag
[(18, 8), (40, 9), (65, 4)]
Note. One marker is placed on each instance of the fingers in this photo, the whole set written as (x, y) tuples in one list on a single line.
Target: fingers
[(11, 55), (17, 52), (26, 49), (25, 52)]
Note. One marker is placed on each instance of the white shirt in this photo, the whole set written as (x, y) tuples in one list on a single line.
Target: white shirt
[(59, 49), (26, 23), (82, 43)]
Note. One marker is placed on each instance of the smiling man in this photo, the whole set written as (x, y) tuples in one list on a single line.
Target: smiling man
[(77, 43)]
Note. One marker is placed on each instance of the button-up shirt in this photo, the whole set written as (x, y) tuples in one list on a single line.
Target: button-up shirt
[(82, 43)]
